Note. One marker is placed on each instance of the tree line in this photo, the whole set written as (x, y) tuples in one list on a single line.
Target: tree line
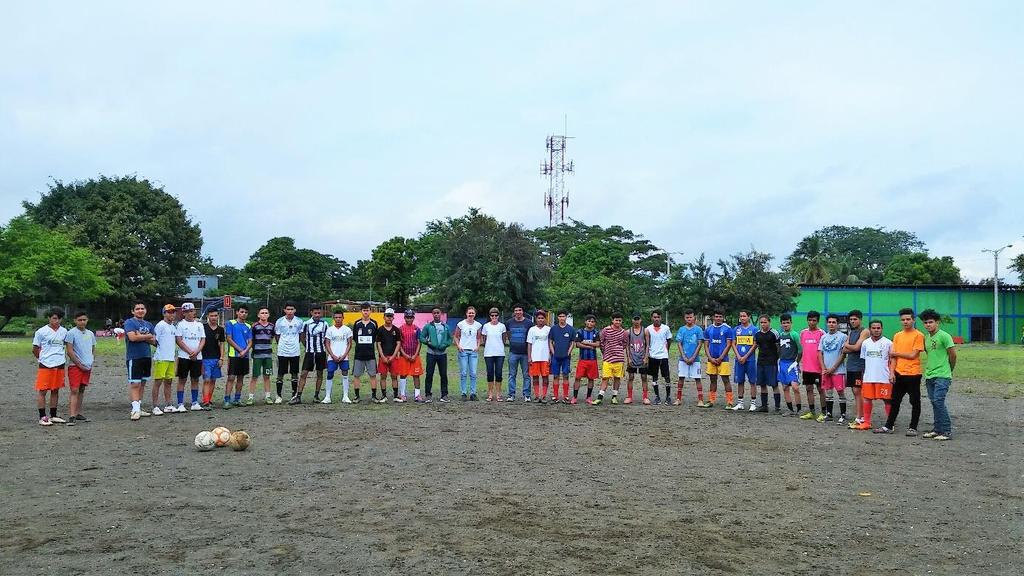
[(109, 240)]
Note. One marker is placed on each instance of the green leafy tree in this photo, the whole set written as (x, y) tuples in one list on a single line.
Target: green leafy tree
[(865, 251), (919, 268), (146, 241), (592, 278), (752, 285), (299, 273), (555, 241), (810, 263), (43, 266), (1017, 265), (391, 269)]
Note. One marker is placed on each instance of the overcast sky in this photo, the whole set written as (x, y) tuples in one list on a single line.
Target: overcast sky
[(706, 126)]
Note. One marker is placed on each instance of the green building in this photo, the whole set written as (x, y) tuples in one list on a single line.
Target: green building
[(967, 308)]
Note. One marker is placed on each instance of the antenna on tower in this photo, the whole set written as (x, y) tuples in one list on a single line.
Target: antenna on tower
[(556, 199)]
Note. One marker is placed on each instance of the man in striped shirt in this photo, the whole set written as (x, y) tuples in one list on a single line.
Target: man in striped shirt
[(613, 341), (262, 354), (312, 338)]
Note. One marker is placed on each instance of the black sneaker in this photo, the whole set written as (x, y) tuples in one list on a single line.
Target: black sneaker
[(295, 400), (763, 409), (464, 398), (81, 418), (657, 400), (472, 397), (444, 399), (316, 397), (542, 400), (71, 421), (429, 399)]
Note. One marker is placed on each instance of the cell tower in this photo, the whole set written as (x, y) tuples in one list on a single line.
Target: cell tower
[(555, 168)]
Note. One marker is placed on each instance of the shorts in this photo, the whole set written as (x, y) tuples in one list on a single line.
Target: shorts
[(314, 361), (834, 382), (542, 369), (49, 378), (877, 390), (163, 370), (238, 366), (634, 369), (768, 374), (746, 372), (333, 367), (560, 366), (656, 365), (812, 379), (385, 368), (689, 370), (854, 379), (78, 377), (262, 367), (368, 367), (288, 365), (140, 370), (613, 369), (723, 369), (587, 369), (189, 368), (789, 373), (406, 367), (211, 368)]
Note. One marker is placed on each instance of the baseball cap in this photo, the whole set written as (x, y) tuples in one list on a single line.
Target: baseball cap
[(169, 308), (389, 312), (409, 313), (637, 317), (188, 306)]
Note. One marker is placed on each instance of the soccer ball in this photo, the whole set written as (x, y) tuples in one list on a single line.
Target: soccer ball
[(205, 441), (221, 435), (239, 440)]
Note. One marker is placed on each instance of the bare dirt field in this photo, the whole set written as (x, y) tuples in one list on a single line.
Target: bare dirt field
[(480, 488)]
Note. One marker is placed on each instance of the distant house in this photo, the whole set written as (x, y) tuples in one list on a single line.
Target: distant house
[(198, 284)]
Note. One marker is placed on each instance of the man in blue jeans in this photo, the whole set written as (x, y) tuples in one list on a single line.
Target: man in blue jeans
[(438, 338), (938, 373), (518, 326)]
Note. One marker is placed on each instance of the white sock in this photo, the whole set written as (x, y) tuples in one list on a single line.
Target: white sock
[(265, 395), (417, 392), (330, 387), (401, 386), (615, 392), (136, 405), (252, 396), (344, 386)]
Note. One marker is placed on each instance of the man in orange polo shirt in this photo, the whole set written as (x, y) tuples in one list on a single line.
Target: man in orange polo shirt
[(907, 346)]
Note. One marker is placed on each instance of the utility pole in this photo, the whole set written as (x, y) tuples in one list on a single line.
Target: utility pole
[(995, 291), (556, 199), (266, 285)]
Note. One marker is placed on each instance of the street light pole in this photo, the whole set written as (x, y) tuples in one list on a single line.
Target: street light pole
[(668, 274), (995, 292), (266, 285)]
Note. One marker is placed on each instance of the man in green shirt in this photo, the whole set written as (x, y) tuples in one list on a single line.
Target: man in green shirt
[(938, 372)]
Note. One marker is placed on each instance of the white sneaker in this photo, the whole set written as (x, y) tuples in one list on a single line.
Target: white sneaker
[(345, 400), (143, 413), (135, 414), (278, 401), (45, 421), (738, 406), (753, 407), (170, 409), (181, 408), (196, 407), (157, 411), (58, 420), (326, 400)]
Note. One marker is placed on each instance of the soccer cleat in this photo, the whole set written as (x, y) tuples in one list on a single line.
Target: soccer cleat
[(181, 408), (156, 411), (345, 400), (628, 400), (428, 400), (227, 405), (615, 399), (71, 421), (399, 400), (143, 413), (647, 402), (169, 409), (59, 420), (737, 407), (295, 400), (764, 409), (135, 415), (821, 417), (931, 434), (326, 400), (841, 421), (541, 400), (753, 407), (573, 401), (883, 430), (206, 406), (597, 401), (863, 426), (196, 407), (778, 412), (418, 399), (807, 416), (444, 400), (941, 437), (268, 400), (45, 421), (527, 399), (911, 432), (657, 400), (250, 402), (316, 397), (81, 418), (590, 401), (278, 400), (677, 402)]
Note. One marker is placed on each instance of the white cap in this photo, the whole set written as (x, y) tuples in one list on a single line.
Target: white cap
[(389, 311), (188, 306)]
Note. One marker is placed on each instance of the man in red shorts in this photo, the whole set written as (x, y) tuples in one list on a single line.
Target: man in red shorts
[(587, 341), (81, 349), (409, 363), (389, 339)]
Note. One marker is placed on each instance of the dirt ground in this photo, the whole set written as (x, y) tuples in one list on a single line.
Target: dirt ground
[(481, 488)]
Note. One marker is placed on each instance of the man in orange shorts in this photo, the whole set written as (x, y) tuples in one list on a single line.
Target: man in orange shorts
[(48, 348), (388, 340), (587, 341), (408, 361), (876, 352), (538, 350)]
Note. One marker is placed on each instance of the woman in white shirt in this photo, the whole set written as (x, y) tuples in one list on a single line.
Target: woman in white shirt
[(494, 354), (467, 338)]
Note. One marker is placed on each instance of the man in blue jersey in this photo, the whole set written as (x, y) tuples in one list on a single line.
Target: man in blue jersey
[(720, 339), (562, 340), (746, 364), (690, 339), (238, 333), (139, 340), (518, 328), (587, 342)]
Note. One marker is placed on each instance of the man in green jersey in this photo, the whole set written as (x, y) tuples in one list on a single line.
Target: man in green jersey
[(789, 371), (938, 372)]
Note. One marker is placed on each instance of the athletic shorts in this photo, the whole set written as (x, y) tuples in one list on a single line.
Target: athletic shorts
[(812, 379), (238, 366), (634, 369), (613, 369), (746, 372), (540, 369), (768, 374), (789, 373), (406, 367), (656, 366), (262, 367), (385, 368), (587, 369), (689, 370), (78, 377), (163, 369), (854, 379), (189, 368), (333, 367), (360, 367), (560, 366), (314, 361), (876, 390), (49, 378), (140, 370), (723, 369), (833, 382), (211, 369)]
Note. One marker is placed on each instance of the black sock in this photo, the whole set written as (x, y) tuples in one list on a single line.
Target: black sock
[(280, 386), (42, 412), (295, 387), (590, 391), (799, 407), (842, 408), (395, 390), (831, 405), (764, 399), (600, 394), (656, 394), (373, 393), (778, 401), (810, 407), (668, 391), (357, 393), (790, 406)]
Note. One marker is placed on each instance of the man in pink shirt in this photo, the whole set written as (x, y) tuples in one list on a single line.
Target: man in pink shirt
[(810, 337)]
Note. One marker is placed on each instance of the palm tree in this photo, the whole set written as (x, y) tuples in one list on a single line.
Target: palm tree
[(810, 263)]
